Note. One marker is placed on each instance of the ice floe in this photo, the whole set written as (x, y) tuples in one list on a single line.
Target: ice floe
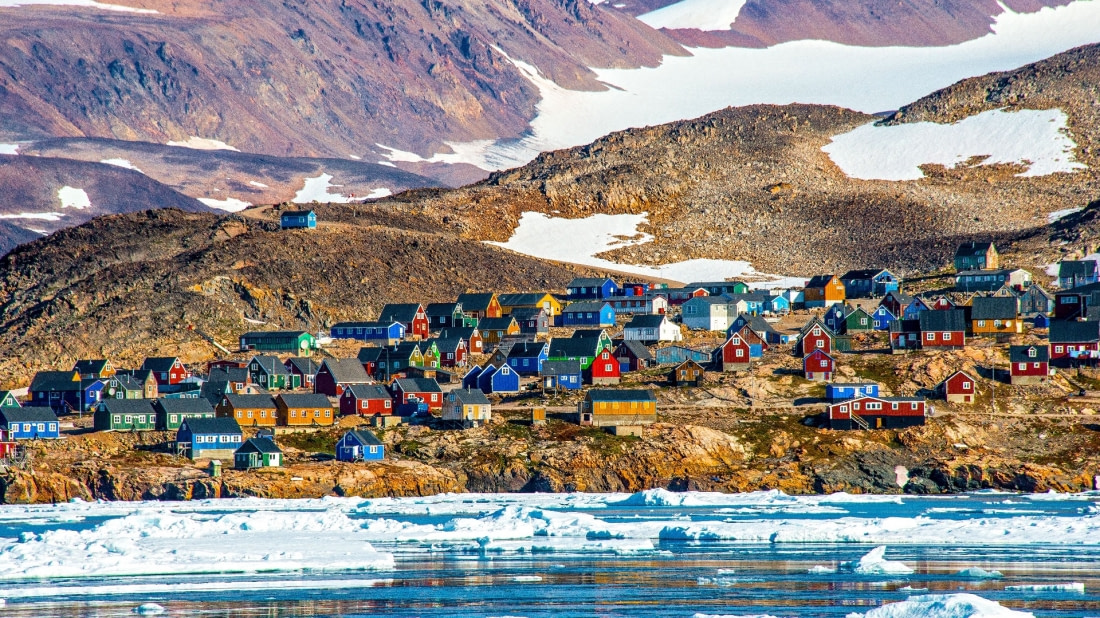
[(706, 15), (1074, 587), (875, 563), (148, 609), (121, 163), (230, 204), (71, 197), (202, 143), (980, 573), (1036, 139), (92, 4), (962, 605)]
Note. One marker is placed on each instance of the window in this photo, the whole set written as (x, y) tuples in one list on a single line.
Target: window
[(173, 418), (435, 396), (981, 323), (874, 405), (316, 414), (293, 414), (820, 343), (129, 419), (607, 367), (387, 404), (966, 386), (930, 336), (1021, 366), (894, 406), (740, 352), (118, 418), (1035, 365), (1058, 349), (53, 426), (1031, 352)]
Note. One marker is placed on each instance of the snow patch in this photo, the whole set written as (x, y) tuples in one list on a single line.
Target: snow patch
[(820, 569), (316, 190), (1035, 138), (901, 475), (82, 3), (379, 193), (579, 241), (230, 204), (257, 184), (121, 163), (706, 15), (962, 605), (202, 143), (43, 216), (9, 149), (1061, 214), (71, 197)]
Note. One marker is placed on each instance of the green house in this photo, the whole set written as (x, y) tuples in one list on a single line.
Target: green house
[(172, 412), (257, 453), (269, 372), (858, 321), (124, 415), (584, 350), (292, 341), (8, 400)]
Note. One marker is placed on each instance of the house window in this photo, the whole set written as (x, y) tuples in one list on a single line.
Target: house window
[(1035, 365), (930, 336), (740, 352), (981, 323), (173, 418), (435, 397), (966, 386), (53, 426), (1021, 366), (1058, 349), (874, 405), (129, 419), (607, 367), (293, 414), (387, 404), (118, 418), (1031, 352), (894, 406)]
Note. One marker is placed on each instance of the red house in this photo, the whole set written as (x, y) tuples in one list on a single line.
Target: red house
[(959, 388), (475, 344), (166, 370), (818, 366), (753, 339), (814, 336), (733, 355), (876, 413), (452, 351), (942, 329), (7, 445), (1029, 364), (337, 374), (604, 369), (412, 315), (417, 390), (365, 400), (942, 303), (1074, 342), (679, 296)]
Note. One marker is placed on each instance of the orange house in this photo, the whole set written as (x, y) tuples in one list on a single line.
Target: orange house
[(248, 410), (823, 291), (481, 305), (304, 410)]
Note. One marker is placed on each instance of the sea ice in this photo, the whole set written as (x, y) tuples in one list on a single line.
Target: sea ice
[(1076, 587), (72, 197), (980, 573), (148, 609), (944, 606), (819, 569), (875, 563)]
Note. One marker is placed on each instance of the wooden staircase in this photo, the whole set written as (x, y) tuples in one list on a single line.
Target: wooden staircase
[(859, 420)]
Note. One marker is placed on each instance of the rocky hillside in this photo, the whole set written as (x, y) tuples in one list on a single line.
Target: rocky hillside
[(126, 286)]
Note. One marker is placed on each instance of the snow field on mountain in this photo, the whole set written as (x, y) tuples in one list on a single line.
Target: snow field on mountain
[(92, 4), (706, 15)]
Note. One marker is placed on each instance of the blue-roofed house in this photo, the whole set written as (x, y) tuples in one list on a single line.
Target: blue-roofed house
[(839, 391), (562, 375), (591, 287)]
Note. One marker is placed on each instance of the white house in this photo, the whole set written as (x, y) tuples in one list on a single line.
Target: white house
[(651, 329), (708, 313)]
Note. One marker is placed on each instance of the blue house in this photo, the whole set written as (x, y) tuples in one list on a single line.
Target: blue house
[(388, 332), (30, 423), (1040, 321), (839, 391), (868, 282), (777, 303), (292, 219), (1075, 273), (199, 438), (526, 357), (469, 381), (591, 287), (359, 445), (562, 375), (913, 310), (498, 380), (588, 313), (834, 317), (882, 318), (57, 390)]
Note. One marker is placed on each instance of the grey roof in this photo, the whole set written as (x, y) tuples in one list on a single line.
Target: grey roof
[(971, 248), (713, 284), (366, 437), (819, 281), (994, 308), (442, 309), (573, 346), (943, 321), (469, 396), (1021, 354), (589, 333), (184, 406), (159, 363), (212, 425), (250, 401), (526, 313), (445, 344), (368, 391), (630, 394), (214, 390), (417, 385), (464, 332), (501, 323), (54, 381), (304, 400), (130, 406), (638, 349), (478, 301), (561, 367), (526, 349), (863, 273), (90, 365), (303, 364), (259, 445), (347, 370), (645, 320), (906, 326), (270, 364), (1076, 268), (263, 334), (28, 414), (366, 324), (981, 273), (399, 312), (1074, 332), (295, 213), (368, 354), (522, 298)]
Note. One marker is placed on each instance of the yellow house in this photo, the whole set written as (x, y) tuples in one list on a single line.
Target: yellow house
[(531, 300), (995, 315), (604, 407)]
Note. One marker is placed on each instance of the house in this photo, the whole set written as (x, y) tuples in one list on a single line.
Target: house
[(403, 356), (8, 400), (475, 343), (604, 407), (366, 400), (633, 356), (761, 327), (990, 280), (446, 315), (976, 256), (30, 423), (814, 336), (208, 438), (360, 445), (1072, 342), (823, 291), (653, 303), (1029, 364), (125, 415), (707, 313), (757, 345), (941, 303), (588, 313), (895, 303), (1035, 300), (452, 351), (8, 446), (593, 333), (417, 390), (904, 335), (298, 219), (467, 408), (384, 332), (170, 413), (1075, 273), (687, 373), (166, 370), (254, 410), (650, 329), (257, 453), (942, 329), (877, 413), (336, 374), (500, 379), (1040, 321), (993, 315), (818, 366), (1076, 302), (679, 296), (60, 391), (914, 308), (733, 355), (858, 321), (526, 358), (591, 288), (288, 341), (303, 410), (91, 392), (532, 300), (561, 375), (958, 387), (215, 388), (270, 373), (480, 305), (494, 329), (839, 391), (94, 369), (636, 288), (411, 315), (303, 368), (604, 370), (581, 349), (717, 288), (834, 317), (868, 283), (142, 378), (470, 379), (533, 321), (676, 354)]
